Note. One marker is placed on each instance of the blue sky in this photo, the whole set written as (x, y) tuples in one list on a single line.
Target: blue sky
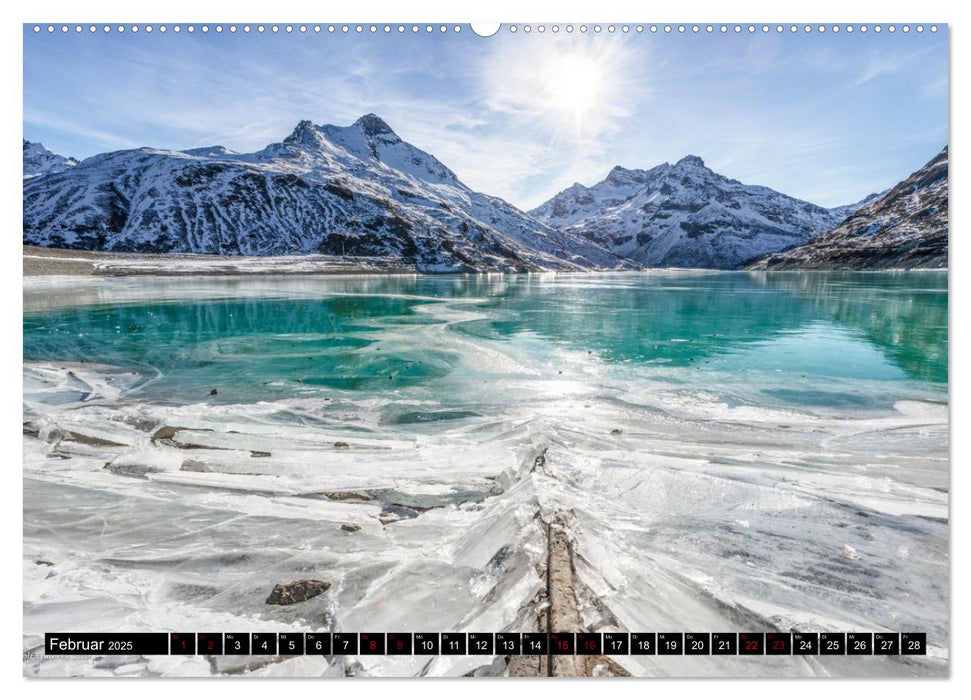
[(828, 118)]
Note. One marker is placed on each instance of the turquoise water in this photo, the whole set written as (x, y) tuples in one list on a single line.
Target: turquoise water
[(260, 339)]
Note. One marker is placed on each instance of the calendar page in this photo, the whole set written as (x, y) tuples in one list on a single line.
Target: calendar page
[(470, 350)]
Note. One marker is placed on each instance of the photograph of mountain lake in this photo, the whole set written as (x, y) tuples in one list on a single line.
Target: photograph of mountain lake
[(331, 388)]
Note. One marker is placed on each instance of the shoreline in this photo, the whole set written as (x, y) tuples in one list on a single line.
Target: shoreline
[(64, 262), (60, 262)]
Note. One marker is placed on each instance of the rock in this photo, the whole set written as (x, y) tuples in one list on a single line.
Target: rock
[(167, 432), (43, 562), (259, 453), (341, 443), (296, 591), (392, 513), (213, 392), (350, 527), (616, 431), (346, 496), (123, 466)]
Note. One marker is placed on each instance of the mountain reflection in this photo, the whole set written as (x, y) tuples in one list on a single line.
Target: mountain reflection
[(902, 313), (681, 318)]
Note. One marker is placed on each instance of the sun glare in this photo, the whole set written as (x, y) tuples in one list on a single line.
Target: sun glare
[(576, 89), (575, 83)]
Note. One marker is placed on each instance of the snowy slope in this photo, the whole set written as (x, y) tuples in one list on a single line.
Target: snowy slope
[(40, 160), (356, 190), (685, 215), (905, 228), (847, 210)]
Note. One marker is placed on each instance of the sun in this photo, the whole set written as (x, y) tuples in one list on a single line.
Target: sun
[(575, 83), (571, 89)]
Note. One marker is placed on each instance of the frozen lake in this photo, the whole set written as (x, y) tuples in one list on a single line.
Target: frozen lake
[(733, 452)]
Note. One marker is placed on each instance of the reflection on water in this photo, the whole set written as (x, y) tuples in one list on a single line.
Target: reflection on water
[(367, 333), (902, 313), (680, 320)]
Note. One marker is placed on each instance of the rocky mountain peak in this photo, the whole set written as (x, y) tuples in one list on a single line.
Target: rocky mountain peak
[(305, 133), (618, 174), (40, 160), (690, 161), (373, 125)]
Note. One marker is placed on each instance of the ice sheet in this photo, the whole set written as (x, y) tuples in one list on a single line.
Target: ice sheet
[(697, 498)]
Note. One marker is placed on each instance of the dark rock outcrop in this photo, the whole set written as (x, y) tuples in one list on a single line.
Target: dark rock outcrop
[(296, 591)]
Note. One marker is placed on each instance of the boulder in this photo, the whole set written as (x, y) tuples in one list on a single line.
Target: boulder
[(167, 432), (296, 591)]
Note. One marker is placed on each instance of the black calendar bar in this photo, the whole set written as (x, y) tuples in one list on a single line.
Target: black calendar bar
[(121, 643), (487, 643)]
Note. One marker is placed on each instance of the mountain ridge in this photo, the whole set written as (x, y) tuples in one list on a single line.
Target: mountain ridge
[(356, 190), (905, 227), (361, 190), (40, 160), (685, 215)]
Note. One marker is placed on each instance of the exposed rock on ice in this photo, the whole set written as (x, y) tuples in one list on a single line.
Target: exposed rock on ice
[(296, 591)]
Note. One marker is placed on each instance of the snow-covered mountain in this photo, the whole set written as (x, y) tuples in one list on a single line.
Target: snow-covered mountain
[(842, 212), (40, 160), (685, 215), (356, 190), (905, 228)]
